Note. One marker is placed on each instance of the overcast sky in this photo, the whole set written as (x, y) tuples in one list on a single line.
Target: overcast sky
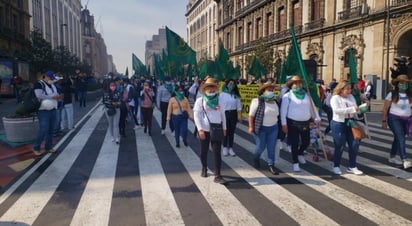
[(126, 25)]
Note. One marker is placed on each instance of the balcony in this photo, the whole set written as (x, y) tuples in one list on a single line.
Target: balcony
[(314, 24), (400, 2), (353, 12)]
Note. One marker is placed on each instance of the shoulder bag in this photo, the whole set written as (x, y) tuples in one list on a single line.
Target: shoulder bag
[(216, 129)]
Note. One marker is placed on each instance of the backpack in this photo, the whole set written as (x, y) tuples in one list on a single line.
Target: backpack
[(30, 101)]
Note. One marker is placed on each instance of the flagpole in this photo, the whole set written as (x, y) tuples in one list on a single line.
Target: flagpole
[(304, 74)]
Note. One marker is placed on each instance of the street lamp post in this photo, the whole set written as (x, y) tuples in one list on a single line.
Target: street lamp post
[(388, 13), (61, 46)]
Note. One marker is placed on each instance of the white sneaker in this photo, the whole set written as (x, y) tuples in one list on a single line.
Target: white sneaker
[(289, 149), (301, 159), (396, 161), (163, 132), (136, 127), (224, 151), (336, 170), (231, 152), (117, 141), (113, 140), (354, 170), (296, 167), (407, 164)]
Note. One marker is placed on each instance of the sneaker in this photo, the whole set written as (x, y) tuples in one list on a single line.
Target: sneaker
[(395, 161), (113, 140), (52, 150), (256, 163), (336, 170), (289, 149), (204, 172), (219, 180), (117, 141), (354, 170), (185, 144), (136, 127), (224, 151), (163, 132), (407, 164), (37, 152), (178, 145), (231, 152), (296, 167), (273, 170), (301, 159)]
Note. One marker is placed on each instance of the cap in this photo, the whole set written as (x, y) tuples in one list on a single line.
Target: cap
[(50, 74)]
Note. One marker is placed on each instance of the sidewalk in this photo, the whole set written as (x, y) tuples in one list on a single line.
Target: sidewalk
[(16, 157)]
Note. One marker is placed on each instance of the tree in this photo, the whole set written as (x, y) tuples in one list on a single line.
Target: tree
[(264, 52)]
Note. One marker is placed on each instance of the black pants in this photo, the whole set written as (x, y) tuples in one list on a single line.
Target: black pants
[(163, 109), (147, 118), (133, 114), (122, 121), (297, 132), (216, 149), (231, 120)]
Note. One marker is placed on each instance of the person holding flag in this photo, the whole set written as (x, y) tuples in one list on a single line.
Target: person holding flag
[(296, 112)]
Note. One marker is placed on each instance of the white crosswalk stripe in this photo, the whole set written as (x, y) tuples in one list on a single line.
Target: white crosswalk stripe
[(161, 199)]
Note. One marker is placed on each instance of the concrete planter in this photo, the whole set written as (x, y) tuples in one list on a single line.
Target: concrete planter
[(21, 129)]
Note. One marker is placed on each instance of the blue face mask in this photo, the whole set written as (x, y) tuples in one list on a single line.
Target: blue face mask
[(270, 95), (118, 88)]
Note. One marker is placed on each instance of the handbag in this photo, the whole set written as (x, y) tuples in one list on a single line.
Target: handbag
[(216, 129), (358, 129), (185, 115)]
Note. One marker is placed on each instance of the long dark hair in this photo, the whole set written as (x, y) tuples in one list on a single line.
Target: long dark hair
[(235, 89)]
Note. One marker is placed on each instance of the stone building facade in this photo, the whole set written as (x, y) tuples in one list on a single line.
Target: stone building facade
[(376, 30)]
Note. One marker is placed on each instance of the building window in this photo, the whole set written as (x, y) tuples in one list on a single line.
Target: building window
[(249, 32), (258, 28), (348, 4), (315, 10), (346, 60), (87, 48), (296, 18), (240, 36), (228, 41), (281, 25), (269, 24)]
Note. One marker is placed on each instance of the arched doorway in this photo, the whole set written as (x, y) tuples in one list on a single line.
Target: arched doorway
[(404, 45)]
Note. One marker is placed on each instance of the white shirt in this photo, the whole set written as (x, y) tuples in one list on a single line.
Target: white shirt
[(50, 92), (229, 102), (270, 115), (396, 108), (128, 87), (295, 109), (343, 107), (215, 116)]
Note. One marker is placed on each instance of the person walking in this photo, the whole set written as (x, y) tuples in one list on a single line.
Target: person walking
[(344, 108), (147, 95), (163, 96), (207, 110), (67, 112), (46, 92), (396, 113), (297, 111), (263, 125), (82, 88), (179, 112), (229, 99), (112, 102)]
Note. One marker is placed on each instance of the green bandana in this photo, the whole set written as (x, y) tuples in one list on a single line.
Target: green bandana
[(169, 87), (266, 98), (211, 101), (403, 87), (229, 90), (299, 93), (179, 96)]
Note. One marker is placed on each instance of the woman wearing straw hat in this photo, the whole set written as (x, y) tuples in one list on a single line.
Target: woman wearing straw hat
[(263, 124), (396, 112), (207, 111), (345, 109), (296, 112)]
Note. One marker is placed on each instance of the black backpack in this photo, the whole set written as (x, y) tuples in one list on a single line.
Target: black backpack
[(30, 101)]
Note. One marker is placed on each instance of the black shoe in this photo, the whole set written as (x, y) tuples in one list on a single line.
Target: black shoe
[(257, 164), (204, 172), (219, 180), (150, 133), (145, 130), (178, 145), (185, 143), (273, 170)]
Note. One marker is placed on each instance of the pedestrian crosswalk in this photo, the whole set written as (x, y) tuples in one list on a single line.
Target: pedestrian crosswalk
[(146, 180)]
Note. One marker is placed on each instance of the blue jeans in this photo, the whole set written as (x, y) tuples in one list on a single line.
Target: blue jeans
[(342, 133), (46, 125), (398, 127), (180, 126), (266, 139), (82, 98)]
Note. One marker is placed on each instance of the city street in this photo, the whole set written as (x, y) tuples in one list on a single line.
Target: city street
[(148, 181)]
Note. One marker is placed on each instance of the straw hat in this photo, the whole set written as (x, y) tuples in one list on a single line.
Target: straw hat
[(294, 79), (209, 82), (264, 86), (400, 78)]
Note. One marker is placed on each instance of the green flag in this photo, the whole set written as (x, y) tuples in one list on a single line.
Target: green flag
[(178, 50), (353, 76), (138, 67), (257, 70), (308, 83), (291, 65)]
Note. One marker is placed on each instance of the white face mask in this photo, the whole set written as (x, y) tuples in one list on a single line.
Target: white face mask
[(211, 94), (50, 82)]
